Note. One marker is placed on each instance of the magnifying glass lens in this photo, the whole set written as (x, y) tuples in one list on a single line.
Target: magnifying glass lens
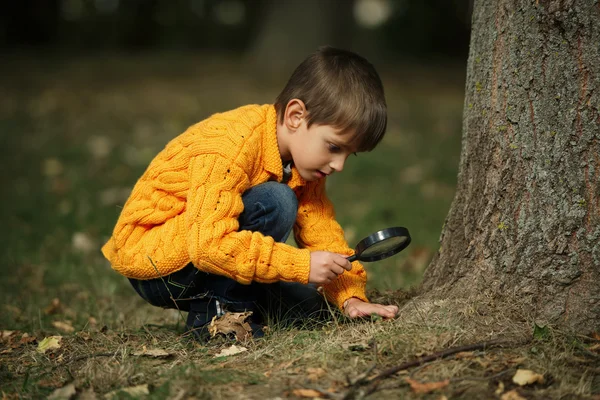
[(384, 246)]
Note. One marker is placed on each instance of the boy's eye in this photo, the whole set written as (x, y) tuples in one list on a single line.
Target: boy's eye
[(334, 148)]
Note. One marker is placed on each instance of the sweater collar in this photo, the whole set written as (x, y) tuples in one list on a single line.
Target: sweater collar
[(272, 157)]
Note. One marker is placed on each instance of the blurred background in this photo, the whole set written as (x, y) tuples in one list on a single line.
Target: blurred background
[(91, 90)]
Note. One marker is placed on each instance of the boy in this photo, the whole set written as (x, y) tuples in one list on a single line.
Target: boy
[(204, 229)]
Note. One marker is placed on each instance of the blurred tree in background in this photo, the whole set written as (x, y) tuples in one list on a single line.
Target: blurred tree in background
[(279, 30)]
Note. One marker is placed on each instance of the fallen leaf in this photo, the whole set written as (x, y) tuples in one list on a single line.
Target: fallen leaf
[(133, 391), (5, 336), (427, 387), (230, 351), (49, 343), (84, 335), (310, 393), (157, 353), (63, 393), (512, 395), (526, 377), (83, 243), (53, 308), (63, 326), (596, 335), (314, 374), (232, 323), (499, 389)]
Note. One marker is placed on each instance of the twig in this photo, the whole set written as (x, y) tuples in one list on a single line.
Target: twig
[(435, 356), (353, 391)]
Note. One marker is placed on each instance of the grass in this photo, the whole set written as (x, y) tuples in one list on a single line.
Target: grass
[(77, 132)]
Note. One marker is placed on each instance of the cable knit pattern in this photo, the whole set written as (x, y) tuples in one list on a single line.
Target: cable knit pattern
[(185, 208)]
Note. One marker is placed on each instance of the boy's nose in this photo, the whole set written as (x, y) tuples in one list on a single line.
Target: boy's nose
[(337, 164)]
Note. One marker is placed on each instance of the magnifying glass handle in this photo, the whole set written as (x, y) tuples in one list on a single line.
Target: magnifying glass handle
[(352, 258)]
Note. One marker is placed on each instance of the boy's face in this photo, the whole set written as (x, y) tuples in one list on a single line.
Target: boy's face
[(319, 151)]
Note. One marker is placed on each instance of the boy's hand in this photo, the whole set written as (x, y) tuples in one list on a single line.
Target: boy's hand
[(326, 266), (355, 308)]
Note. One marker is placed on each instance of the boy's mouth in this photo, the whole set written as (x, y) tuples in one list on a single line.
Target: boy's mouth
[(321, 174)]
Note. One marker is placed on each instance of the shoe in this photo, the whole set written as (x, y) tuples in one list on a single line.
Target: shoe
[(202, 313), (199, 317)]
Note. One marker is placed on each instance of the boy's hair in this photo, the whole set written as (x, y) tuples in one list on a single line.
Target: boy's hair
[(341, 89)]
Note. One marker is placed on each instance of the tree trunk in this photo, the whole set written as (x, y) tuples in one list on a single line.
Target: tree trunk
[(525, 220)]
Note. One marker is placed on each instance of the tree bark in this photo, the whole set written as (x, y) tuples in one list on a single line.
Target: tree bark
[(525, 220)]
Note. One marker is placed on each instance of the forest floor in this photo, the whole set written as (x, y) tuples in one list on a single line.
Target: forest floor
[(77, 133)]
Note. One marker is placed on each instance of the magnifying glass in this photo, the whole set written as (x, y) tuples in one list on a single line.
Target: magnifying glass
[(381, 244)]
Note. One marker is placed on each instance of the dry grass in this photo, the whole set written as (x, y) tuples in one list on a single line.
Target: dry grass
[(327, 358)]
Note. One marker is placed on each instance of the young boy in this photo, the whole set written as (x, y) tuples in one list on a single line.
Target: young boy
[(205, 227)]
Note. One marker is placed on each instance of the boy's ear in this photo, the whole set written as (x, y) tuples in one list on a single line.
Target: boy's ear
[(295, 112)]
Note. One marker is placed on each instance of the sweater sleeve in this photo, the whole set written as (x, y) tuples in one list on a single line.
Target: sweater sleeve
[(317, 229), (214, 243)]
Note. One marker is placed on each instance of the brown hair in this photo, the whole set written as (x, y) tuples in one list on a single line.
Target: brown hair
[(341, 89)]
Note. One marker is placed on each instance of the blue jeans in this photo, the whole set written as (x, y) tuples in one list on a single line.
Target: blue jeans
[(269, 208)]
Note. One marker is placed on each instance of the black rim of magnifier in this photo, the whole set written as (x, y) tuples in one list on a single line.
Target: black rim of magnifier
[(397, 231)]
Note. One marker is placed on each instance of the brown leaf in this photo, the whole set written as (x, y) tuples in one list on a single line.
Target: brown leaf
[(526, 377), (53, 308), (232, 323), (63, 393), (310, 393), (156, 353), (63, 326), (512, 395), (230, 351), (427, 387), (314, 374)]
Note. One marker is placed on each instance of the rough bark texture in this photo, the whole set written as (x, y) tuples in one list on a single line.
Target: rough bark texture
[(525, 221)]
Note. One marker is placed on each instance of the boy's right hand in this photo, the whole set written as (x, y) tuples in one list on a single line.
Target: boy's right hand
[(326, 266)]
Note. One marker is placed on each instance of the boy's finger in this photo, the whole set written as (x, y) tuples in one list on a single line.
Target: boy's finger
[(343, 262)]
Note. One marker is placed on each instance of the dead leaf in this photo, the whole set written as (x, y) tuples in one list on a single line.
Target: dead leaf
[(26, 339), (232, 323), (84, 335), (53, 308), (512, 395), (63, 393), (230, 351), (499, 389), (314, 374), (83, 243), (49, 343), (596, 335), (157, 353), (310, 393), (63, 326), (427, 387), (133, 391), (526, 377)]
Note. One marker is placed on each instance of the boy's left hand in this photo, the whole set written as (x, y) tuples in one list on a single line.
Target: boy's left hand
[(356, 308)]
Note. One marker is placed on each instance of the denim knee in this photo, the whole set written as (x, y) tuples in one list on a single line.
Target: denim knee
[(269, 208)]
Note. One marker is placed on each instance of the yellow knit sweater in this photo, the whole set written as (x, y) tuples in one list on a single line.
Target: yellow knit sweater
[(185, 208)]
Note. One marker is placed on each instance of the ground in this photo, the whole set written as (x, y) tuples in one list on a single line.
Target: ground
[(76, 134)]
